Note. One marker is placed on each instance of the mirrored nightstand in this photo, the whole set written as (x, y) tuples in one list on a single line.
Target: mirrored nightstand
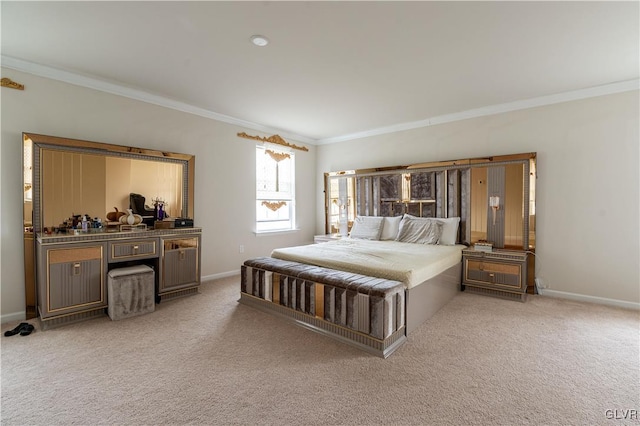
[(502, 273)]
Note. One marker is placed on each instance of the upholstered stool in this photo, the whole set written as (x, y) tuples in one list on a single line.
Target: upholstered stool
[(131, 291)]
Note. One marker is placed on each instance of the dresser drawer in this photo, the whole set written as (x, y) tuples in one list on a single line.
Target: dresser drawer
[(128, 250), (488, 266)]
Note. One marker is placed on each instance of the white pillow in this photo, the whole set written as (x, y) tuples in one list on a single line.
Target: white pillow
[(419, 230), (449, 235), (390, 227), (367, 227)]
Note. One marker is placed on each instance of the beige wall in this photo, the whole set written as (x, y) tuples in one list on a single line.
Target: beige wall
[(587, 189), (224, 170)]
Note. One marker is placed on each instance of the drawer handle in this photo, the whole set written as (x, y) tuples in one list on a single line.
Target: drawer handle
[(181, 254), (491, 275), (134, 249), (76, 268)]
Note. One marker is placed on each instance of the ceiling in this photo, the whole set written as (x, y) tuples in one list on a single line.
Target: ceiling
[(332, 70)]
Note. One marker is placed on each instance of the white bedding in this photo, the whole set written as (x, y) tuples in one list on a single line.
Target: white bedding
[(409, 263)]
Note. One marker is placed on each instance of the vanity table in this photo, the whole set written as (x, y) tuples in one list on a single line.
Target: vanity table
[(72, 269)]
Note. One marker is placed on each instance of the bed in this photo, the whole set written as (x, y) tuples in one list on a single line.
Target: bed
[(368, 290)]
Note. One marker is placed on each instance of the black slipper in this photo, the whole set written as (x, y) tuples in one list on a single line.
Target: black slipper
[(26, 330), (16, 330)]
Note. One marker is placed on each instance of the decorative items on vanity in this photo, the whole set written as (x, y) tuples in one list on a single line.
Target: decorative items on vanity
[(115, 216), (130, 218), (132, 222), (158, 204)]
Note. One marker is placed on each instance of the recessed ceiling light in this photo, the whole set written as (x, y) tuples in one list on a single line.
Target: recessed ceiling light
[(259, 40)]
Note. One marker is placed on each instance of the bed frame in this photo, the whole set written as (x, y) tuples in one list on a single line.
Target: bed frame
[(425, 299)]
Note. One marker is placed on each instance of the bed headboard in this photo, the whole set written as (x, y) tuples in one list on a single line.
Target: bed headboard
[(457, 188)]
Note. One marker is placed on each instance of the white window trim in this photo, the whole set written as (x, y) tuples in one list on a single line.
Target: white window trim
[(276, 232), (293, 221)]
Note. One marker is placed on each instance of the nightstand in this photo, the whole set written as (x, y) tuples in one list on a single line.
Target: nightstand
[(501, 273), (324, 238)]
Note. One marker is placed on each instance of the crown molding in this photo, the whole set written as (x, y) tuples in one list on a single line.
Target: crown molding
[(116, 89), (607, 89), (139, 95)]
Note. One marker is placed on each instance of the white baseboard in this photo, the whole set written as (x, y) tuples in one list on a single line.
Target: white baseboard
[(591, 299), (220, 275), (16, 316)]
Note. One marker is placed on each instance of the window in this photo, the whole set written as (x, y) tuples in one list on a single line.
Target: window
[(275, 189)]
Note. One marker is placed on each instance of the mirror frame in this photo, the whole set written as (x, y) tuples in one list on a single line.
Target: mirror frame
[(528, 160), (40, 142)]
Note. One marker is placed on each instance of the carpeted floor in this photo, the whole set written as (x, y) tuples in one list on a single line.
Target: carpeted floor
[(205, 359)]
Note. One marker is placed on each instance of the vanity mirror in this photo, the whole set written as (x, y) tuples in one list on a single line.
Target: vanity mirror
[(63, 177), (67, 177)]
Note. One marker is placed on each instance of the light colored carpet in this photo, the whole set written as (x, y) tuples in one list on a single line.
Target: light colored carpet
[(205, 359)]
